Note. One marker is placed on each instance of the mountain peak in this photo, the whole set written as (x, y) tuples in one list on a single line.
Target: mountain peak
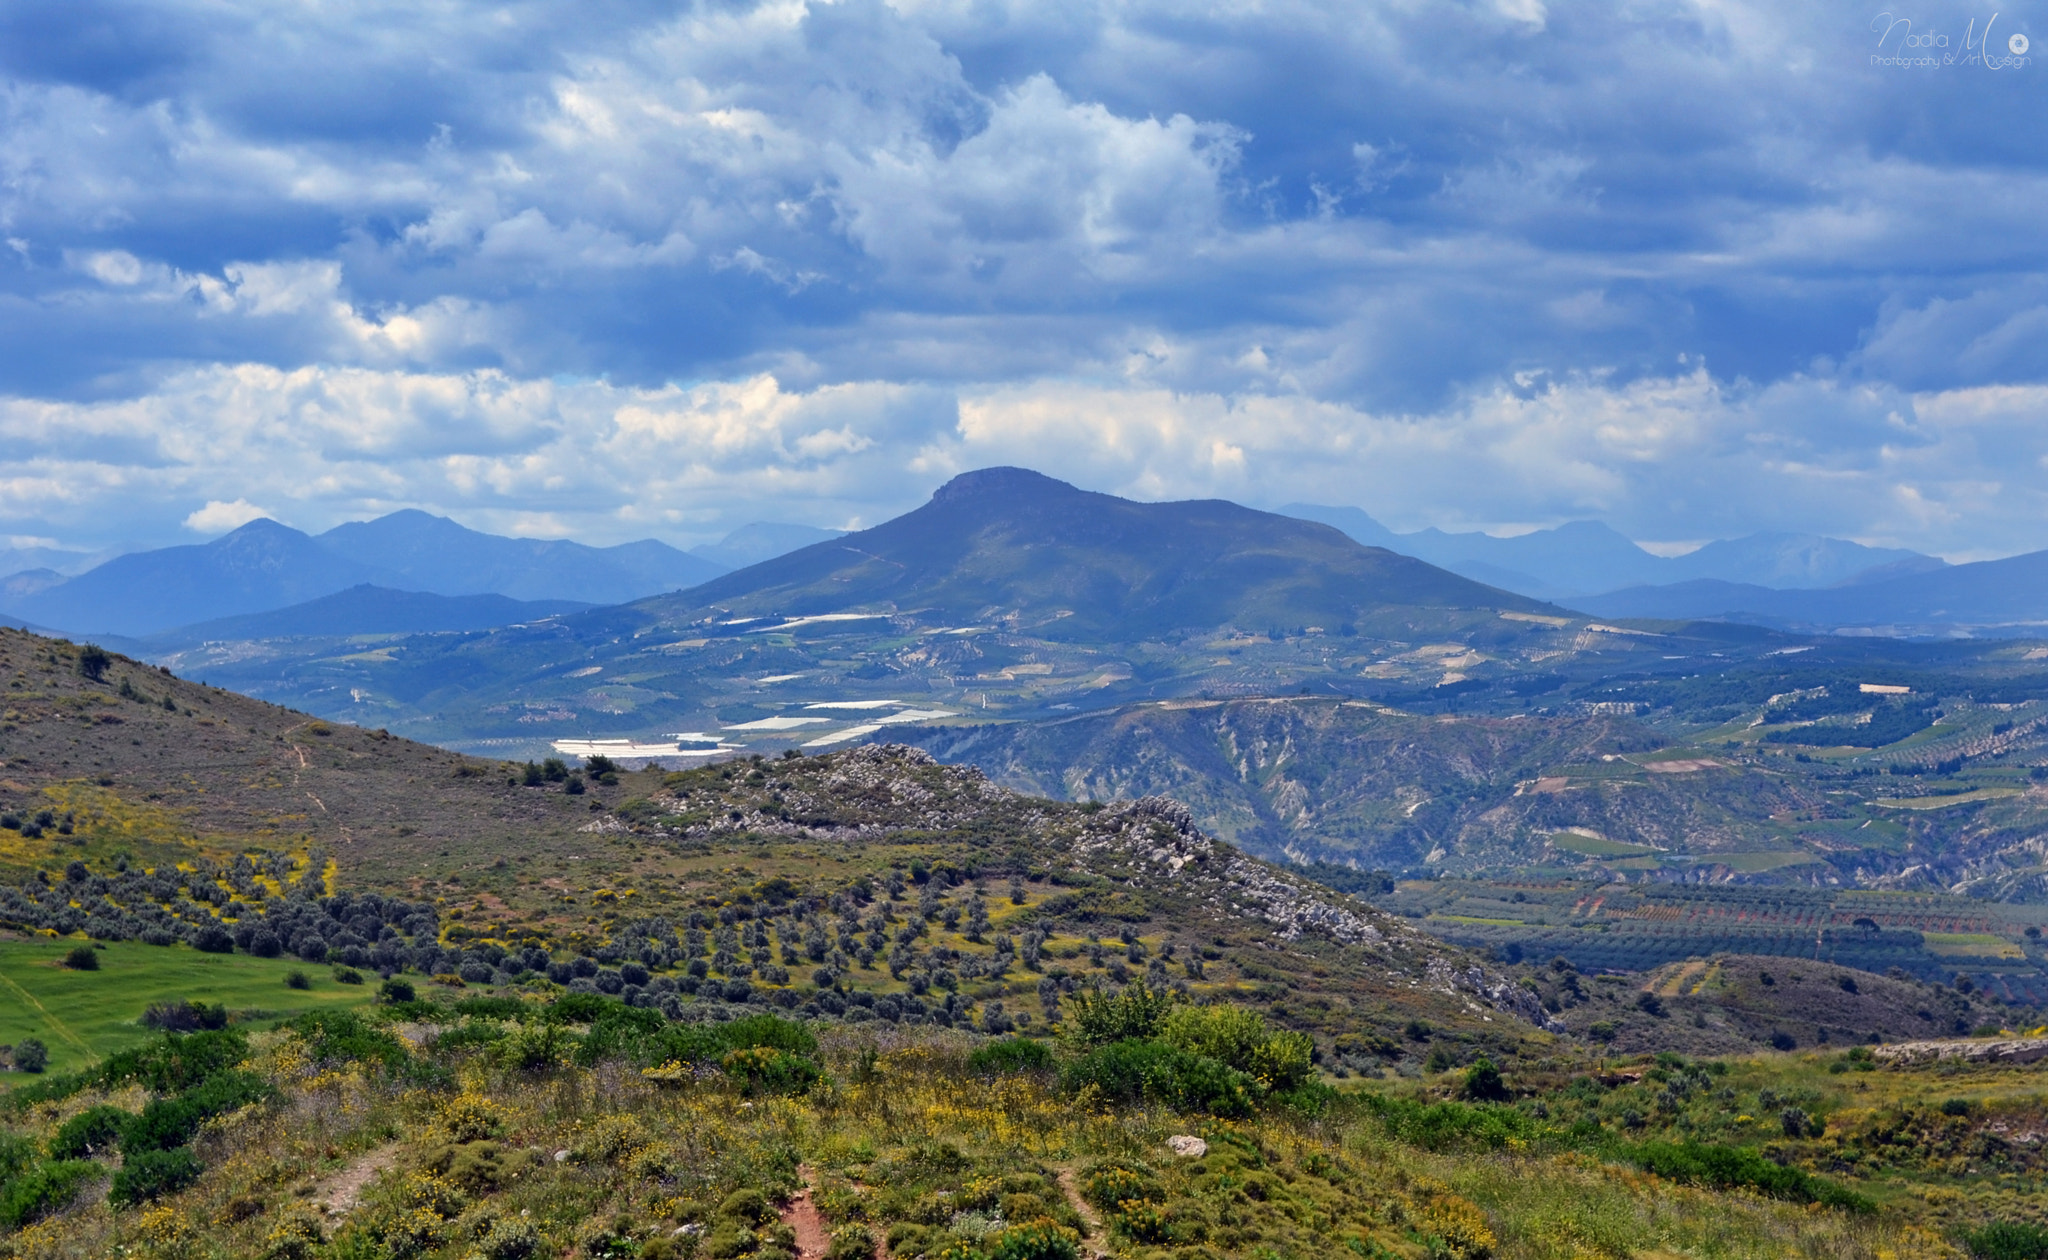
[(1000, 483)]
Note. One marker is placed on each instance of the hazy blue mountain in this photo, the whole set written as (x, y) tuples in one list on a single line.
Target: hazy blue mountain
[(1991, 595), (1584, 557), (1792, 561), (54, 559), (27, 582), (372, 610), (762, 540), (260, 566), (1006, 545), (424, 552)]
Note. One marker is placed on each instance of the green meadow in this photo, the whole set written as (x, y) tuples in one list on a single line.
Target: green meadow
[(83, 1016)]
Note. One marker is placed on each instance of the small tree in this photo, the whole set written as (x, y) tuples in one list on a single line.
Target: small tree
[(83, 958), (31, 1055), (92, 662)]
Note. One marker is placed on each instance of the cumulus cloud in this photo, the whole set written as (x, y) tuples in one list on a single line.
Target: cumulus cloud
[(619, 270), (218, 518)]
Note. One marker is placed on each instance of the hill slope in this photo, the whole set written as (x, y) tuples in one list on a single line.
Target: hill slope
[(1011, 545), (523, 867)]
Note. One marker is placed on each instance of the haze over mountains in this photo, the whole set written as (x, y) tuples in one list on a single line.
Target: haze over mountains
[(1583, 558), (352, 574)]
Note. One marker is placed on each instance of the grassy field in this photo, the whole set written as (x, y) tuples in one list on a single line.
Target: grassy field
[(82, 1016)]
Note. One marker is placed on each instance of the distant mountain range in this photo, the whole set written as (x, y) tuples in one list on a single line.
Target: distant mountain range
[(762, 540), (369, 610), (1587, 558), (2009, 595), (1013, 547), (264, 566)]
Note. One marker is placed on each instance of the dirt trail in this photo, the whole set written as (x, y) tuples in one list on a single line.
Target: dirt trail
[(804, 1219), (341, 1190), (1094, 1240)]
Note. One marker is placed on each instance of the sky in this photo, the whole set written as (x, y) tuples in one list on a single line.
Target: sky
[(615, 269)]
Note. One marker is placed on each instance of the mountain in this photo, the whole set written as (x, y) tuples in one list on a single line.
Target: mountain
[(762, 540), (1584, 557), (1989, 595), (1012, 546), (372, 610), (260, 566), (432, 553), (265, 566), (54, 559)]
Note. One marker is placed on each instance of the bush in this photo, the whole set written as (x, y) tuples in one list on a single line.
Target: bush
[(396, 990), (1483, 1082), (1731, 1167), (765, 1070), (1130, 1071), (2007, 1240), (176, 1062), (92, 662), (1012, 1054), (42, 1189), (1240, 1039), (346, 1037), (89, 1133), (1042, 1239), (146, 1175), (1100, 1019), (83, 958), (30, 1055), (183, 1017), (851, 1242), (297, 980), (171, 1122)]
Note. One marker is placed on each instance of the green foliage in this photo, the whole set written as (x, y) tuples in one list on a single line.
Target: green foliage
[(766, 1070), (82, 958), (146, 1175), (1134, 1071), (31, 1055), (40, 1189), (176, 1061), (851, 1242), (1734, 1167), (1239, 1038), (2007, 1240), (170, 1122), (1011, 1054), (1451, 1126), (1483, 1083), (1109, 1186), (342, 1036), (89, 1133), (1100, 1018), (492, 1008), (1042, 1239)]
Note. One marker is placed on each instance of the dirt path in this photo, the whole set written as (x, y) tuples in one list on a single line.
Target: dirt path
[(802, 1217), (1094, 1242), (342, 1189)]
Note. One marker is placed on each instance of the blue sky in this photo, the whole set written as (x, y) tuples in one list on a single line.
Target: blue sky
[(615, 269)]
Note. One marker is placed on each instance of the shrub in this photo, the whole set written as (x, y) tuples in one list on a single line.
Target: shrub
[(765, 1070), (2007, 1240), (1730, 1167), (346, 1037), (347, 975), (1042, 1239), (396, 990), (1483, 1082), (297, 980), (1096, 1018), (176, 1062), (83, 958), (89, 1133), (42, 1189), (1455, 1229), (851, 1242), (171, 1122), (92, 662), (1130, 1071), (31, 1055), (1012, 1054), (1112, 1185), (146, 1175), (183, 1017)]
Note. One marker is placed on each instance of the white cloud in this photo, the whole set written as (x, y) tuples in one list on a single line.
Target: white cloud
[(218, 518)]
